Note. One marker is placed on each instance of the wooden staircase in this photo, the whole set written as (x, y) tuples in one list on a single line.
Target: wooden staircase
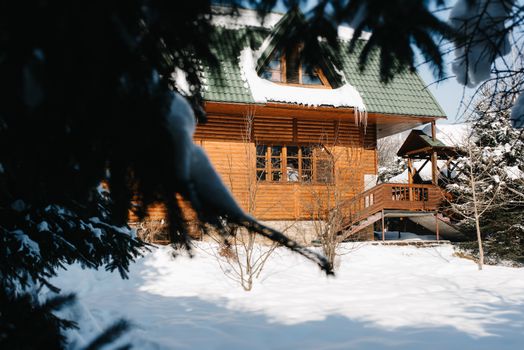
[(368, 207)]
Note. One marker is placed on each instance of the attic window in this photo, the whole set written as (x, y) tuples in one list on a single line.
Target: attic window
[(288, 67)]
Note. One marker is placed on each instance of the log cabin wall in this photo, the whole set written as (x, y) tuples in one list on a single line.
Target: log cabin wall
[(230, 142)]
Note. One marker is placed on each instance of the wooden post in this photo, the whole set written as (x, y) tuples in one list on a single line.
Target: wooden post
[(436, 227), (383, 227), (434, 172), (410, 171), (410, 178), (434, 168)]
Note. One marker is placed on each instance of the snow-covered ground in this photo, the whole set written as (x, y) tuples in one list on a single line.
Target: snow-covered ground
[(403, 236), (383, 297)]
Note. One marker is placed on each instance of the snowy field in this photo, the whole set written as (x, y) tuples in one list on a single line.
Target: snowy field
[(383, 297)]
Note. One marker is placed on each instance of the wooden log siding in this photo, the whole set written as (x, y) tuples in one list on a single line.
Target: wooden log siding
[(370, 137), (316, 131), (287, 130), (232, 128), (274, 129), (232, 151), (288, 200)]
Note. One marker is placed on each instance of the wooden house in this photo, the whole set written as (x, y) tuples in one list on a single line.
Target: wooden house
[(293, 141)]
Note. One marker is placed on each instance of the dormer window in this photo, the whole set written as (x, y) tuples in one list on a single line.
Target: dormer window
[(287, 66), (273, 70)]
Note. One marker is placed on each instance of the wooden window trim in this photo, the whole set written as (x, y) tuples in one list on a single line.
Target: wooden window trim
[(283, 75), (300, 160)]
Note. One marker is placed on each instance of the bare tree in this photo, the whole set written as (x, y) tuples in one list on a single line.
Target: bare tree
[(474, 191), (389, 164), (327, 207), (242, 255), (490, 175), (328, 220), (387, 148)]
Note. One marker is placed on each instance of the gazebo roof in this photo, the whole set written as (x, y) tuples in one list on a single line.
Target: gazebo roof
[(420, 145)]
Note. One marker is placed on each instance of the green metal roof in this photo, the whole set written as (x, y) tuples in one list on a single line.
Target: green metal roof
[(417, 140), (226, 84), (404, 95), (433, 143)]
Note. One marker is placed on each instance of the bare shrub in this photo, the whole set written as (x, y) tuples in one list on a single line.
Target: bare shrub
[(152, 231), (328, 203), (241, 254), (242, 257)]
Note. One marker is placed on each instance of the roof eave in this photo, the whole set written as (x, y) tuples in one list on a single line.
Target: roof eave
[(387, 124)]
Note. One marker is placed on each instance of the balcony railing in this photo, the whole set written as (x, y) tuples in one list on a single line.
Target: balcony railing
[(392, 196)]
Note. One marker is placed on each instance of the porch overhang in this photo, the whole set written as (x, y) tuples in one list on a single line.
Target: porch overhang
[(390, 124)]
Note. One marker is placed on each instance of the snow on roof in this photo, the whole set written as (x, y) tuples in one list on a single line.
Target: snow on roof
[(403, 96), (266, 91), (451, 134), (346, 33), (263, 90), (224, 17), (181, 82)]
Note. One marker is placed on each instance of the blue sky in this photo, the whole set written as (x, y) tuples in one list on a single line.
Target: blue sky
[(448, 93)]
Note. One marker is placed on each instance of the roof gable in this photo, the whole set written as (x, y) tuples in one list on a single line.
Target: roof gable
[(404, 95), (285, 30), (287, 33)]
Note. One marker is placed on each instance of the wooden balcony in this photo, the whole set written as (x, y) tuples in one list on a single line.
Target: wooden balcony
[(390, 196)]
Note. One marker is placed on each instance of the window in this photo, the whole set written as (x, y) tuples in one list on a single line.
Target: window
[(288, 67), (273, 69), (292, 163)]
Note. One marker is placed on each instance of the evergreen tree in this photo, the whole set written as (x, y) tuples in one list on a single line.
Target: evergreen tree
[(86, 91), (496, 160), (84, 94), (86, 97), (503, 144)]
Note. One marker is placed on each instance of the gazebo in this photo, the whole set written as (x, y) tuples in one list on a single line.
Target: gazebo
[(420, 146)]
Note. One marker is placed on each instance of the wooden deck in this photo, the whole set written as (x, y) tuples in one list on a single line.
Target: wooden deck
[(364, 209)]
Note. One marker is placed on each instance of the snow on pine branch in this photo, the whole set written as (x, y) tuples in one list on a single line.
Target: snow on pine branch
[(346, 33), (483, 25), (27, 245), (517, 112)]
